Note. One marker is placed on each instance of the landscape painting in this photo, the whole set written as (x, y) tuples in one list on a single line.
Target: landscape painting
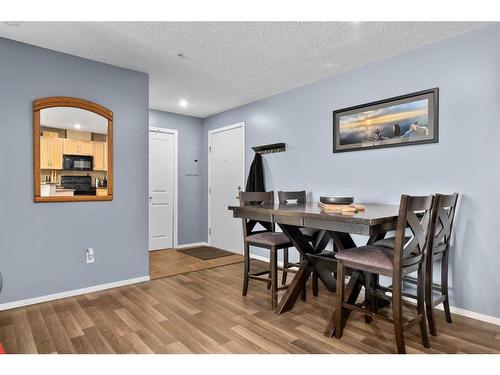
[(400, 121)]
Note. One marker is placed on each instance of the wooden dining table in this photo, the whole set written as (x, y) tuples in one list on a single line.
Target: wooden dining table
[(374, 222)]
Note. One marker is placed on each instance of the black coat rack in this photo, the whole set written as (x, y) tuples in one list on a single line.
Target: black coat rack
[(270, 149)]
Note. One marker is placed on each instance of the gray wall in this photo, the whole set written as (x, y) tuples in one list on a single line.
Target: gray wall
[(42, 245), (190, 188), (466, 159)]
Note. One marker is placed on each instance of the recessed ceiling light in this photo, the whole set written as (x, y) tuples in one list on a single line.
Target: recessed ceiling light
[(183, 103), (12, 23), (78, 126)]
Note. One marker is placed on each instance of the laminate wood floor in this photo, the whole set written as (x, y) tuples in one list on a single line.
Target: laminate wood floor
[(204, 312), (170, 262)]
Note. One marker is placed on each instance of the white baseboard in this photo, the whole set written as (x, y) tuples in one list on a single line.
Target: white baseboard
[(463, 312), (472, 314), (194, 244), (71, 293)]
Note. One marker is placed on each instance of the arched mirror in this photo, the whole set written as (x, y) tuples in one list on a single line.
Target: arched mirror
[(72, 150)]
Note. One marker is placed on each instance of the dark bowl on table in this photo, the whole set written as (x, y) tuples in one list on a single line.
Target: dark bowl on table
[(337, 200)]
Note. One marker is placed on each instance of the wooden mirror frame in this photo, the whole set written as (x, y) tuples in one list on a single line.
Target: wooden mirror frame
[(62, 101)]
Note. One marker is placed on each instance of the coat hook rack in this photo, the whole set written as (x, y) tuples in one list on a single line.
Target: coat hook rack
[(270, 149)]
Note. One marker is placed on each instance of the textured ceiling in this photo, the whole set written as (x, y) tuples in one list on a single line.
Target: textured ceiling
[(229, 64)]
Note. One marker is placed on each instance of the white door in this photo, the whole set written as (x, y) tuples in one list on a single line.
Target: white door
[(161, 190), (226, 176)]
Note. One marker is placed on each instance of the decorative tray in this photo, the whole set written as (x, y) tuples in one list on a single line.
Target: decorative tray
[(337, 200)]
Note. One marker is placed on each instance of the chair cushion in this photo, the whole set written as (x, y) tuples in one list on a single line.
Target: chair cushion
[(269, 239), (389, 242), (370, 256)]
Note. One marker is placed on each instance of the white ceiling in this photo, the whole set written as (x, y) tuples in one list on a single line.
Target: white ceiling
[(73, 119), (228, 64)]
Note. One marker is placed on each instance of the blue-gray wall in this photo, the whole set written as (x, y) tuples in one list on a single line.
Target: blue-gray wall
[(42, 245), (190, 188), (466, 159)]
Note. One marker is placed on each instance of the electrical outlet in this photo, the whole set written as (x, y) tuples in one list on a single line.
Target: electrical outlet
[(89, 255)]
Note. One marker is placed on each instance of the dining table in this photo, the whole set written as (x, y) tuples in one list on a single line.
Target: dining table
[(374, 221)]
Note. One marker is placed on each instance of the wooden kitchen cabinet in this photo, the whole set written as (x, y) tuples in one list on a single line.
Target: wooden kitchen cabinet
[(105, 156), (99, 152), (70, 147), (76, 147), (85, 148), (101, 191), (49, 134), (51, 151), (44, 153), (55, 151), (78, 135)]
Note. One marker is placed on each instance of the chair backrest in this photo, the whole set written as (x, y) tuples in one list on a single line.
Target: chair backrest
[(443, 214), (414, 213), (256, 198), (285, 196)]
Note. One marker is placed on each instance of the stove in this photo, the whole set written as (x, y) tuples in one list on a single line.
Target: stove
[(81, 184)]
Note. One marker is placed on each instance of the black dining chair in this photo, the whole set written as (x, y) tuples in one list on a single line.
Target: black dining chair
[(266, 239), (443, 214), (407, 256), (299, 197)]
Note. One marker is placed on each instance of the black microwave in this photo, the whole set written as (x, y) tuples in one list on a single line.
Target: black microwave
[(77, 163)]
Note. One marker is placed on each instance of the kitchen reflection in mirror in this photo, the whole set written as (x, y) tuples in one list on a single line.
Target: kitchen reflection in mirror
[(74, 154)]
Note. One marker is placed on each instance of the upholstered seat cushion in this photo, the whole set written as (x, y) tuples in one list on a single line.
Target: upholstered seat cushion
[(370, 256), (269, 239), (389, 242)]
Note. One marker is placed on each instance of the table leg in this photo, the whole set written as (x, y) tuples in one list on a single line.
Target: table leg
[(342, 241), (315, 281), (299, 281), (295, 288), (321, 242)]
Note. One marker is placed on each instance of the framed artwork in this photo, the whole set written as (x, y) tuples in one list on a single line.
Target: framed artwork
[(400, 121)]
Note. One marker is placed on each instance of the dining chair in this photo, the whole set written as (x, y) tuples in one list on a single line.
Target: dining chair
[(266, 239), (443, 214), (286, 197), (407, 256)]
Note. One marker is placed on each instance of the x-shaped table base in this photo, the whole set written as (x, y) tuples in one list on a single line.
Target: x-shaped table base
[(323, 266)]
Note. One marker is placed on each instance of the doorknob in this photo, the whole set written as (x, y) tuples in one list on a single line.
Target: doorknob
[(150, 199)]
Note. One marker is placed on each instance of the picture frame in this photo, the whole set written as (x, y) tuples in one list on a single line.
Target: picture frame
[(404, 120)]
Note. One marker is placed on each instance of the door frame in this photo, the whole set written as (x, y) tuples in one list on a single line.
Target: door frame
[(219, 130), (175, 133)]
